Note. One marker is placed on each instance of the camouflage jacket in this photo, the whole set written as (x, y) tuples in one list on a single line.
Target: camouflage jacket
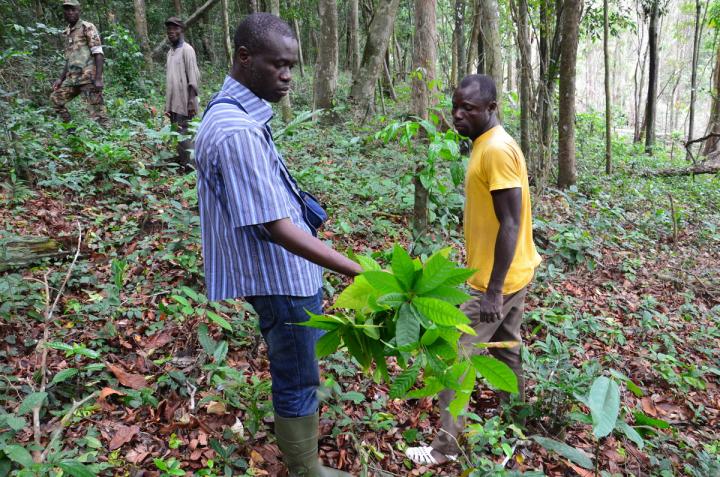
[(82, 41)]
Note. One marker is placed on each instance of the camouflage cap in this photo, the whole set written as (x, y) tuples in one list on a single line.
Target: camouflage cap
[(71, 3), (175, 21)]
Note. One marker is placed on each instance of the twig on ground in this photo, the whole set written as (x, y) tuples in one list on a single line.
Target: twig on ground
[(57, 433)]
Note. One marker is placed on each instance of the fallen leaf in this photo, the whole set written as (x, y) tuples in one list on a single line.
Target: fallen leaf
[(135, 381), (216, 407), (104, 394), (649, 407), (137, 455), (159, 340), (256, 457), (123, 435), (580, 471)]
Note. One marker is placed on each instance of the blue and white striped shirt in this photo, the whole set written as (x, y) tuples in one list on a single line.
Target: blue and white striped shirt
[(241, 186)]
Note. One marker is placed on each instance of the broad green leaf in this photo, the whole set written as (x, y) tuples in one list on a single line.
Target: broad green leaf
[(466, 329), (430, 336), (219, 320), (327, 344), (642, 419), (458, 277), (454, 374), (63, 375), (383, 282), (18, 454), (407, 329), (462, 397), (393, 300), (220, 352), (497, 373), (440, 312), (208, 344), (573, 454), (377, 351), (449, 294), (60, 346), (14, 422), (432, 387), (632, 387), (31, 401), (353, 396), (368, 263), (437, 270), (355, 296), (630, 433), (405, 381), (604, 403), (182, 300), (76, 469), (402, 267), (323, 322), (355, 345), (443, 351)]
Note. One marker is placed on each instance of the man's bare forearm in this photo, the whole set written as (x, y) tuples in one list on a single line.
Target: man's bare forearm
[(504, 252), (99, 63)]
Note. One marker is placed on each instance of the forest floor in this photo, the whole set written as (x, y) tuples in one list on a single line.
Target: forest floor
[(629, 288)]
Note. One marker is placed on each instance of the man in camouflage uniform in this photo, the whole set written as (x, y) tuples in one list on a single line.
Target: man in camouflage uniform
[(83, 67)]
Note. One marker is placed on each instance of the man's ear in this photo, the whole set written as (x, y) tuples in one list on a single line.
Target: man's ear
[(493, 106), (242, 57)]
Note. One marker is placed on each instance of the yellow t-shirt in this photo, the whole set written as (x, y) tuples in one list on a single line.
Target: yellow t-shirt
[(497, 163)]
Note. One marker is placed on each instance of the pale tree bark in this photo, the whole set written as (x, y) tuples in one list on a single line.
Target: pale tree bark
[(458, 51), (472, 56), (285, 108), (424, 58), (713, 143), (178, 7), (353, 37), (141, 28), (326, 66), (363, 88), (567, 170), (651, 104), (226, 33), (608, 98), (492, 52), (301, 56), (693, 77), (523, 41)]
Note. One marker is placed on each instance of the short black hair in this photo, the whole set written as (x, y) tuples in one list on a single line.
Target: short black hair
[(253, 32), (485, 84)]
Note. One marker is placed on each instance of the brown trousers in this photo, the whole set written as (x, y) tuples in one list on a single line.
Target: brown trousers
[(93, 97), (505, 329)]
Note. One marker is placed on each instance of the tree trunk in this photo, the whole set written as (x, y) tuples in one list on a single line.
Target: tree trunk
[(178, 7), (713, 143), (567, 170), (693, 77), (301, 56), (226, 33), (523, 41), (608, 99), (285, 108), (353, 37), (141, 28), (458, 42), (492, 52), (472, 56), (363, 87), (651, 104), (424, 57), (192, 19), (326, 67)]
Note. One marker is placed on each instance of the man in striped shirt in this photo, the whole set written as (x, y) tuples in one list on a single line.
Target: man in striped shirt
[(256, 243)]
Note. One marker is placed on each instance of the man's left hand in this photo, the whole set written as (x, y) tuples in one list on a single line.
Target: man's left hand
[(99, 84), (191, 113), (491, 307)]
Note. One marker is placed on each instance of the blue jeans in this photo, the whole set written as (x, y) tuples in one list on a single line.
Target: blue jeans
[(291, 349)]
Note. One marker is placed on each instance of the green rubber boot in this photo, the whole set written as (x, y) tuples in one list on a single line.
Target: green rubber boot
[(297, 438)]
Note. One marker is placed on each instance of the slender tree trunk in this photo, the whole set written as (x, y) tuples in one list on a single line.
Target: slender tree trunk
[(608, 98), (472, 56), (523, 41), (326, 67), (424, 57), (178, 7), (363, 87), (301, 56), (713, 143), (353, 37), (142, 30), (651, 105), (226, 33), (491, 45), (458, 41), (285, 107), (567, 170), (693, 77)]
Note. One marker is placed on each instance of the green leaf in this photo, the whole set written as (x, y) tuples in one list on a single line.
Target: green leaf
[(430, 336), (462, 397), (76, 469), (368, 263), (383, 282), (219, 320), (63, 375), (497, 373), (604, 404), (208, 344), (323, 322), (405, 381), (437, 270), (440, 312), (182, 300), (14, 422), (573, 454), (61, 346), (432, 387), (32, 400), (642, 419), (220, 352), (458, 277), (355, 296), (393, 300), (327, 344), (632, 387), (407, 329), (630, 433), (355, 345), (403, 267), (449, 294), (18, 454)]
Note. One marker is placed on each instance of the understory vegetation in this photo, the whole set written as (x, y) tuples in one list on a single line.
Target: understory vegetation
[(113, 362)]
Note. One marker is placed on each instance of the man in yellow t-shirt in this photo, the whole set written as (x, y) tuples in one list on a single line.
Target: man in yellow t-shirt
[(499, 243)]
